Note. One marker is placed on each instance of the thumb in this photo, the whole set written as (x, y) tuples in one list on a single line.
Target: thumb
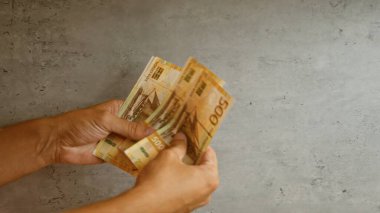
[(209, 159), (179, 145), (132, 130)]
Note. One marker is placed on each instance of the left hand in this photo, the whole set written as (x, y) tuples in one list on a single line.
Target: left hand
[(76, 133)]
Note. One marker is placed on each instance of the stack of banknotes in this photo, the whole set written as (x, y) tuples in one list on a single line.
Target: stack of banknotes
[(169, 99)]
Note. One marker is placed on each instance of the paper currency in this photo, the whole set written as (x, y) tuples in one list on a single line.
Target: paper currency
[(169, 99), (156, 83), (206, 109), (199, 101), (178, 98)]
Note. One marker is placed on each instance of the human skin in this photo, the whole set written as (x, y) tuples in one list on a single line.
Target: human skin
[(164, 185)]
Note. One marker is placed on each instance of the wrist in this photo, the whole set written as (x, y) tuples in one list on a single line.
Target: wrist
[(148, 198), (138, 199), (131, 201), (46, 146)]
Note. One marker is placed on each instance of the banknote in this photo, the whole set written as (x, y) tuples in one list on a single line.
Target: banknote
[(142, 152), (154, 86), (205, 111), (108, 150), (198, 93), (164, 115)]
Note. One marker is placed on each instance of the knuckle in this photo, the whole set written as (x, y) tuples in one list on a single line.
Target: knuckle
[(132, 128), (113, 105), (103, 116), (207, 201), (114, 101), (160, 159), (168, 154), (212, 184)]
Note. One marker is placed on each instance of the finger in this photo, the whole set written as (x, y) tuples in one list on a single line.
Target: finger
[(88, 156), (179, 145), (80, 155), (132, 130), (111, 106), (209, 158)]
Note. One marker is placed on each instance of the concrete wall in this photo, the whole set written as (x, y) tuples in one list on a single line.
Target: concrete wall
[(303, 135)]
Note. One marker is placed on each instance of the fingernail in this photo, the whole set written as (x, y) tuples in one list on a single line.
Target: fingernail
[(149, 131)]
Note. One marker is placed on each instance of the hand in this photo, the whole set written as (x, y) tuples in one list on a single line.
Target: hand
[(166, 184), (77, 132), (176, 186), (67, 138)]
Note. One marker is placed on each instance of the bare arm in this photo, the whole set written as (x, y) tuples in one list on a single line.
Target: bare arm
[(22, 148)]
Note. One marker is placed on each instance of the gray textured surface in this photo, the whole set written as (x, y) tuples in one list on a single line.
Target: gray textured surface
[(303, 135)]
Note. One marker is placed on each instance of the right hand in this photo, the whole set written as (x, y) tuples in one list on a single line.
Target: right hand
[(166, 184), (176, 186)]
